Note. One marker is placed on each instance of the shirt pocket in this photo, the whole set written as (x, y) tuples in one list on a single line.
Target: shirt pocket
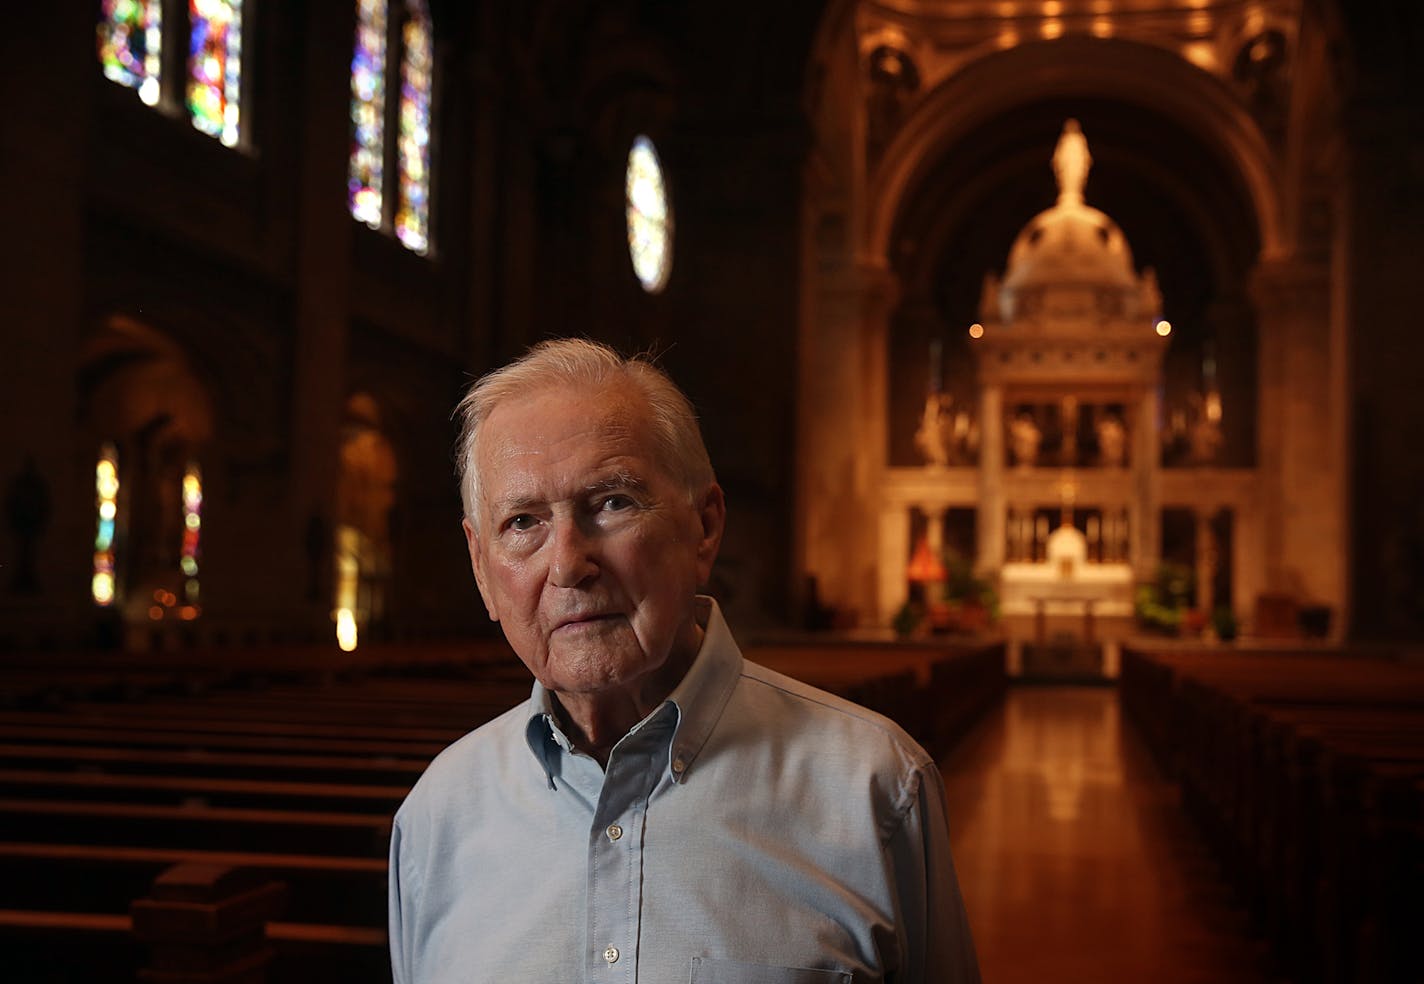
[(708, 970)]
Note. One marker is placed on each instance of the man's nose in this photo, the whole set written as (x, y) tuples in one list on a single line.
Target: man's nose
[(573, 561)]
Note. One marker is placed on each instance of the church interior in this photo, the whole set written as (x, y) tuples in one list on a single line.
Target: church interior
[(1060, 362)]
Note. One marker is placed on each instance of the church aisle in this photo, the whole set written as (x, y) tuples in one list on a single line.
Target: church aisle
[(1076, 860)]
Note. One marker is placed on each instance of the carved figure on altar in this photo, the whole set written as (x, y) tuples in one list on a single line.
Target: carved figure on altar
[(935, 433), (965, 442), (1024, 438), (1204, 436), (1112, 441), (1071, 161)]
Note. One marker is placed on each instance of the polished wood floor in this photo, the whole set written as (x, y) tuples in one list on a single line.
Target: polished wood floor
[(1075, 858)]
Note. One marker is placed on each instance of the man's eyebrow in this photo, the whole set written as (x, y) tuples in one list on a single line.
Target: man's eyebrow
[(514, 504), (618, 481)]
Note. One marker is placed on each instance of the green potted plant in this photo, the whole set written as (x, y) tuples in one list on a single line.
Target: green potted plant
[(970, 602), (907, 620), (1224, 623), (1162, 603)]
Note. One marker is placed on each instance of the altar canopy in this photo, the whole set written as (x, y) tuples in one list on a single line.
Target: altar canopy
[(1063, 474)]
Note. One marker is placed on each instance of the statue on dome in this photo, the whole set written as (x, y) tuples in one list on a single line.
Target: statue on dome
[(965, 443), (1071, 162), (934, 434), (1112, 441)]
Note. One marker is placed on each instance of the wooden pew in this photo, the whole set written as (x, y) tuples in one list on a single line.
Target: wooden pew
[(47, 677), (62, 732), (1306, 771), (935, 690), (198, 789), (194, 721), (377, 768), (194, 825), (112, 774), (294, 779), (327, 889), (58, 947)]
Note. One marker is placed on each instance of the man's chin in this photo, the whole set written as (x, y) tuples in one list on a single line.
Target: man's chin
[(589, 665)]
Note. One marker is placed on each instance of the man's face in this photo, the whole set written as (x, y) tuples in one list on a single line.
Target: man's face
[(586, 550)]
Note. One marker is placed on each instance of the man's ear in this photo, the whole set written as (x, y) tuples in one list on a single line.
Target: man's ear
[(472, 542), (712, 515)]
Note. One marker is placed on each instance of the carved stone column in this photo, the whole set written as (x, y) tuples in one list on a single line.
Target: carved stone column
[(842, 435), (1145, 515), (934, 529), (322, 308), (45, 165), (990, 517), (1206, 561), (894, 556), (1380, 348), (1300, 458)]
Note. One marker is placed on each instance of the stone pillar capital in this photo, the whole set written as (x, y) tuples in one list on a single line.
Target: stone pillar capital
[(1289, 285), (873, 284)]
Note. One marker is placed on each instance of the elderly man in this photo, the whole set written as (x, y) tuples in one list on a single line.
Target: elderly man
[(660, 809)]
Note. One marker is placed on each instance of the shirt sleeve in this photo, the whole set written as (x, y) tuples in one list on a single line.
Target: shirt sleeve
[(938, 947), (400, 951)]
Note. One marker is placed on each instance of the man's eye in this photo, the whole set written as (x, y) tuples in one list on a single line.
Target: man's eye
[(521, 523), (615, 503)]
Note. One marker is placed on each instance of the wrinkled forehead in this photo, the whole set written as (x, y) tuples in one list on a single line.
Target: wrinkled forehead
[(561, 423), (544, 415)]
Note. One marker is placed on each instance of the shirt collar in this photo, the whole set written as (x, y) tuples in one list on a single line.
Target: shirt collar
[(699, 699), (705, 690)]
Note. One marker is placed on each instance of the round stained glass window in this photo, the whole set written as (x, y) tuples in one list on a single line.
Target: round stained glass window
[(649, 216)]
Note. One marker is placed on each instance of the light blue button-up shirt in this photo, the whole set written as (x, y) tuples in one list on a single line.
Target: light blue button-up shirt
[(751, 830)]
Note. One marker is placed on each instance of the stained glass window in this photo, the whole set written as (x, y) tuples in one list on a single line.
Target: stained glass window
[(215, 67), (106, 495), (348, 586), (192, 533), (131, 44), (368, 113), (649, 216), (413, 219)]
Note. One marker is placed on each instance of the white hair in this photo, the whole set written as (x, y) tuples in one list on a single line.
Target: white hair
[(576, 362)]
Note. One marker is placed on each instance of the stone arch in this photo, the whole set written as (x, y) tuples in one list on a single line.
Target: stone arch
[(1075, 67), (857, 196), (139, 393), (1182, 211), (366, 493)]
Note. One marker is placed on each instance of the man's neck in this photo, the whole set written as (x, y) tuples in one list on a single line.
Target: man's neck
[(597, 721)]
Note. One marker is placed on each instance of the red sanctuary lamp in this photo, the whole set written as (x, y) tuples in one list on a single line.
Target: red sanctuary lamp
[(925, 569)]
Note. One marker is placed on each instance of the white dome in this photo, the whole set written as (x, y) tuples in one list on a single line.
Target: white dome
[(1070, 243), (1071, 261)]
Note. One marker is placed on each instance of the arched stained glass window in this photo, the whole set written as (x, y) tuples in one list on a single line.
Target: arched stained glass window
[(392, 126), (106, 496), (366, 493), (649, 216), (417, 62), (131, 44), (215, 67), (368, 113), (192, 535)]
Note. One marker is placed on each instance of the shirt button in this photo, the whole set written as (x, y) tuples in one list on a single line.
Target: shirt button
[(614, 831), (611, 954)]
